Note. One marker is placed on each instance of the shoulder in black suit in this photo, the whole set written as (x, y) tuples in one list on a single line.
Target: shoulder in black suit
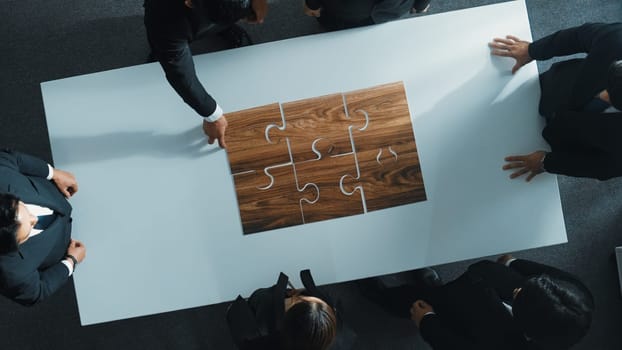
[(470, 313), (34, 271)]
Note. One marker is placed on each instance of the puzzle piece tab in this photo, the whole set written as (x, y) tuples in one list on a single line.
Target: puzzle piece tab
[(326, 172), (248, 148), (269, 203)]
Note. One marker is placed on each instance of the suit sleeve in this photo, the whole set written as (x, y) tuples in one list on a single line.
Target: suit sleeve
[(175, 57), (598, 165), (313, 4), (440, 337), (388, 10), (41, 284), (496, 276), (25, 164), (601, 43), (529, 268)]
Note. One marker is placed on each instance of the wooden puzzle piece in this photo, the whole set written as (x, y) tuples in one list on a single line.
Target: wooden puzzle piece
[(274, 203), (248, 146), (325, 172), (389, 177), (323, 118), (386, 151)]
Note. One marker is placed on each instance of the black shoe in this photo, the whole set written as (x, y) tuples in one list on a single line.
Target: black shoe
[(236, 36), (428, 278)]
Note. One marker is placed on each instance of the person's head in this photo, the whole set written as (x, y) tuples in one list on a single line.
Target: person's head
[(555, 313), (613, 93), (309, 324), (16, 223)]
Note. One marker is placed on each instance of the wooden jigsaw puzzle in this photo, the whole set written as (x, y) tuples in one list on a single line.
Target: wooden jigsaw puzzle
[(324, 158)]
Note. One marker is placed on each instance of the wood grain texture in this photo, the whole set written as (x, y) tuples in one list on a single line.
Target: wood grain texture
[(275, 207), (326, 174), (364, 136), (247, 147)]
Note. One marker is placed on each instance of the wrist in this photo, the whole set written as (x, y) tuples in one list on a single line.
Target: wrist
[(218, 113), (73, 260)]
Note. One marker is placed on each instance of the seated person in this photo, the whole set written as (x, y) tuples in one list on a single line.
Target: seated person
[(508, 304), (343, 14), (287, 319), (576, 96), (37, 254)]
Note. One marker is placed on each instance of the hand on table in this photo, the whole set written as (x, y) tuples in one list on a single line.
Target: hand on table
[(260, 7), (529, 163), (216, 131), (311, 13), (418, 310), (77, 250), (65, 182), (513, 47)]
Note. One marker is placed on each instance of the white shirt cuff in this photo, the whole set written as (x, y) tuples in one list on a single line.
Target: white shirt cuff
[(215, 116), (66, 263), (50, 172), (507, 263)]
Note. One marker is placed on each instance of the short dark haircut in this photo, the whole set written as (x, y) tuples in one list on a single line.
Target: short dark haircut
[(309, 326), (8, 222), (555, 313), (614, 84)]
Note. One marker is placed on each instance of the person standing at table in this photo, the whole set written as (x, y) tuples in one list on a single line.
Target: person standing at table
[(172, 24), (37, 254), (343, 14), (581, 100)]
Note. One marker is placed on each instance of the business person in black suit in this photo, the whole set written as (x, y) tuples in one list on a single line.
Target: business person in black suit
[(581, 93), (278, 318), (508, 304), (37, 254), (171, 25), (343, 14)]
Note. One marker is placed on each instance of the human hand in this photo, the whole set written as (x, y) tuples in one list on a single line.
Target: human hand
[(530, 163), (503, 259), (65, 182), (418, 310), (77, 249), (513, 47), (311, 13), (260, 7), (216, 131)]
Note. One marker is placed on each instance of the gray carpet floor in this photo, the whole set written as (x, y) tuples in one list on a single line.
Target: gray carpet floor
[(53, 39)]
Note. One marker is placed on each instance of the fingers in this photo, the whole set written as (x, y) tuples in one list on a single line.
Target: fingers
[(516, 67), (531, 176), (210, 139), (512, 37), (518, 173), (515, 158), (221, 142)]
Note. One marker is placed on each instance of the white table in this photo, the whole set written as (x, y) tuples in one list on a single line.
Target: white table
[(157, 208)]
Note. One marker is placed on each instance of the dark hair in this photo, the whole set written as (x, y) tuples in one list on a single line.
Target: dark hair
[(555, 313), (614, 84), (309, 325), (8, 222)]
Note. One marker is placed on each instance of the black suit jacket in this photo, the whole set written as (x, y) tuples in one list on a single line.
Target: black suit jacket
[(34, 271), (170, 27), (584, 144), (469, 310), (256, 323), (571, 84), (354, 13)]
